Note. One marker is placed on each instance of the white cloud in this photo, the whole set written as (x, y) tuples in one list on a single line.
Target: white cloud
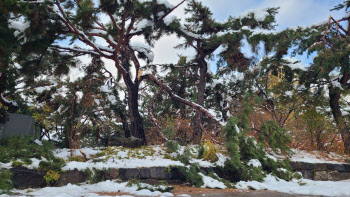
[(301, 12)]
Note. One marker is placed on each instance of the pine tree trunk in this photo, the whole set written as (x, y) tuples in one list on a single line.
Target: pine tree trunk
[(182, 92), (200, 101), (334, 97), (136, 120), (133, 95), (123, 117), (125, 125)]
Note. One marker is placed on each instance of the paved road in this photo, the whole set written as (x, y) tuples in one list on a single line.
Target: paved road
[(249, 194)]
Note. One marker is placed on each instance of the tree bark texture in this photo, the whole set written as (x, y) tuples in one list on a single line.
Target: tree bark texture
[(203, 68)]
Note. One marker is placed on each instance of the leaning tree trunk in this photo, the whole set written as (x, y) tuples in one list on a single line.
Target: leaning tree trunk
[(135, 117), (334, 97), (197, 136)]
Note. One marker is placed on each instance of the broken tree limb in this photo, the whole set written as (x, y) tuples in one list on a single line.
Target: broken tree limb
[(154, 120), (194, 106)]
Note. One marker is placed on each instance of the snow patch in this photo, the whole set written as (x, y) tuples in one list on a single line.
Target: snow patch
[(254, 162), (142, 48), (169, 19), (324, 188), (295, 64), (38, 142), (211, 183), (259, 14), (289, 93)]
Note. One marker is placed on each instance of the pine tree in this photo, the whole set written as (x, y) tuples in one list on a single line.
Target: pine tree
[(206, 35), (330, 67), (79, 21), (8, 47)]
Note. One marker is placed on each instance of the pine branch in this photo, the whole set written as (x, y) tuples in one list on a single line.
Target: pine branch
[(194, 106)]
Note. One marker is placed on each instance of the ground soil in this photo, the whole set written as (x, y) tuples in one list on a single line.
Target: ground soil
[(201, 192)]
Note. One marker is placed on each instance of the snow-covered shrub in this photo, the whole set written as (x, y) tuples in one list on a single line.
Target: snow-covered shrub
[(172, 146), (97, 175), (52, 163), (186, 156), (23, 148), (248, 159), (5, 181), (192, 175)]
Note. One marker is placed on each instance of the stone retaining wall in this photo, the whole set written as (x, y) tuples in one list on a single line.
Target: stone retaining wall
[(24, 178), (322, 171)]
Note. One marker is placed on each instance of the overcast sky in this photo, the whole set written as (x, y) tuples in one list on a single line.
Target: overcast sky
[(291, 13)]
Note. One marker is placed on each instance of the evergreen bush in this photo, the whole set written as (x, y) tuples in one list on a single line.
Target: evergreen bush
[(172, 146), (242, 150), (23, 148), (5, 181), (55, 164), (191, 175), (186, 156), (274, 136)]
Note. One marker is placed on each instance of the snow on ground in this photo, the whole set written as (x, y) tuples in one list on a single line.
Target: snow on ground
[(211, 183), (65, 153), (316, 157), (91, 190), (301, 187), (123, 163), (304, 186), (152, 156), (119, 158), (221, 161)]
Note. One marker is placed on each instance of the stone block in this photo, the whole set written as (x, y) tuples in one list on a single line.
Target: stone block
[(321, 176), (129, 173), (346, 167), (335, 167), (145, 173), (159, 173), (301, 166), (334, 176), (71, 176), (307, 174), (114, 173), (320, 166), (24, 178)]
